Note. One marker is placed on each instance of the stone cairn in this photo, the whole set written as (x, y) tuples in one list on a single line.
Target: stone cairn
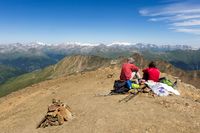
[(57, 113)]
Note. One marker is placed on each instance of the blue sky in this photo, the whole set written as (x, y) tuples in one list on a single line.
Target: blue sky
[(56, 21)]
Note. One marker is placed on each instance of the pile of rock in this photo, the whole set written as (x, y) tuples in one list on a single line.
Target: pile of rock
[(57, 113)]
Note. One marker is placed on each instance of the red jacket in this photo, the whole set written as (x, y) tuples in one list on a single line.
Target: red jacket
[(153, 73), (127, 70)]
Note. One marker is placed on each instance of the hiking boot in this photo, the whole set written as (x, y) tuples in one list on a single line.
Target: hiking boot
[(142, 81), (146, 90), (132, 91), (142, 86)]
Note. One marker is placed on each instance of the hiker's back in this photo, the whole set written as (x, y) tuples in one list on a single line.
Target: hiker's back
[(127, 70), (153, 74)]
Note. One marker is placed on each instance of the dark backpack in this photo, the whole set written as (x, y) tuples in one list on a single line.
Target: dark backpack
[(120, 87)]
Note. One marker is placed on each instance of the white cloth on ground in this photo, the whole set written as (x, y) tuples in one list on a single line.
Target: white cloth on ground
[(161, 89)]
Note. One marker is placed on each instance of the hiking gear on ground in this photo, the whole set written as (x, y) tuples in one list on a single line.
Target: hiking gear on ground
[(135, 86), (142, 86), (132, 91), (129, 84), (120, 86), (141, 81), (175, 84), (109, 94), (146, 90), (130, 96), (161, 89), (166, 81)]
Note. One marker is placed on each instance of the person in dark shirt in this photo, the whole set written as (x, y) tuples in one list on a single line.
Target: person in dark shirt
[(129, 71), (151, 73)]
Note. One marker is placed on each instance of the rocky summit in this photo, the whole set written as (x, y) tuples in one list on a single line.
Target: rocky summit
[(21, 111)]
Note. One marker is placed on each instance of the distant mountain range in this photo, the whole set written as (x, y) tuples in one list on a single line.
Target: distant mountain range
[(184, 59), (67, 66), (24, 58), (80, 64), (88, 48)]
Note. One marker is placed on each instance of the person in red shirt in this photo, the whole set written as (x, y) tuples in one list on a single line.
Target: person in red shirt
[(151, 73), (129, 71)]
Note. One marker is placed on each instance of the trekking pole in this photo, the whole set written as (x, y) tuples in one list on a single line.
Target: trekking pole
[(129, 97), (175, 83), (109, 94)]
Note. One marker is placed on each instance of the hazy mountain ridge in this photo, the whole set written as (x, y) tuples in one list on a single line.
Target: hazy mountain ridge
[(67, 66), (58, 51), (160, 48), (28, 57), (70, 48), (76, 64), (184, 59), (8, 72)]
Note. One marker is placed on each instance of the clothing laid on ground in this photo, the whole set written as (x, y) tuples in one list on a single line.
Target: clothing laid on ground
[(161, 89), (151, 73)]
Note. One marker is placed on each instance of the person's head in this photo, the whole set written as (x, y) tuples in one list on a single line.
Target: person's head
[(130, 60), (152, 64)]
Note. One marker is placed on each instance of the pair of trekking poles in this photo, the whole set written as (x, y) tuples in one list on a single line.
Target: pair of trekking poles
[(125, 99)]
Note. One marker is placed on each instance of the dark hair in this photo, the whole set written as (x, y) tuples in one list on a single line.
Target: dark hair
[(152, 64)]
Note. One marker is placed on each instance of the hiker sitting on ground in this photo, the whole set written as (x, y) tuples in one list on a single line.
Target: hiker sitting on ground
[(151, 73), (129, 71)]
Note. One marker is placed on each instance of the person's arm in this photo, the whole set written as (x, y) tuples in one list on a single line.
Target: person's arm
[(134, 68)]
